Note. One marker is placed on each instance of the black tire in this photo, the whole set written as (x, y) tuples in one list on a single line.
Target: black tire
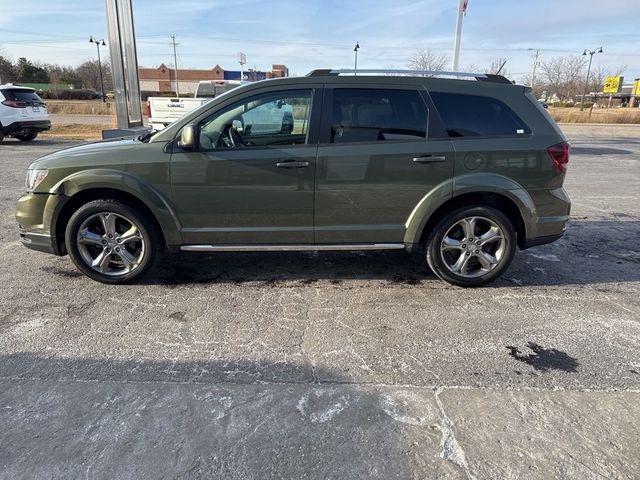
[(151, 244), (1, 134), (27, 136), (506, 249)]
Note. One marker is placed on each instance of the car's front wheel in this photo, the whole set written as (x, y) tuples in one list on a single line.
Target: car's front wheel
[(112, 242), (471, 246), (27, 136)]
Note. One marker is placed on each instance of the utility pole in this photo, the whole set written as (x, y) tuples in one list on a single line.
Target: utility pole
[(462, 10), (534, 67), (175, 62), (591, 53)]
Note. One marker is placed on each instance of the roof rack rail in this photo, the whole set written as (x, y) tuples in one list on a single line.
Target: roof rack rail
[(435, 73)]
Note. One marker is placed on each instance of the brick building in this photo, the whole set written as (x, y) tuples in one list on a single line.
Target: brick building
[(162, 79)]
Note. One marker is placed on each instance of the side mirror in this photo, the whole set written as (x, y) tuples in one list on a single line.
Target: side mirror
[(188, 137)]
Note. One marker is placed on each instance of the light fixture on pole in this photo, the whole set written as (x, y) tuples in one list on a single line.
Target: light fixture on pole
[(586, 82), (355, 49), (99, 43)]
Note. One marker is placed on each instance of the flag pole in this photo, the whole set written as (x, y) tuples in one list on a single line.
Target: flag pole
[(456, 44)]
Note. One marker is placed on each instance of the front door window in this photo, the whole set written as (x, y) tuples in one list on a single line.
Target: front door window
[(273, 119)]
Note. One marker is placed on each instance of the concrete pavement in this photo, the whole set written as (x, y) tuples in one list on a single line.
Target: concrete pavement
[(331, 365)]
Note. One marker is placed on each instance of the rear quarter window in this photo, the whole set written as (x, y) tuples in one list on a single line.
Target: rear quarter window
[(477, 116)]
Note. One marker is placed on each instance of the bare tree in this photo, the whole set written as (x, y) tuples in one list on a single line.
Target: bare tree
[(427, 59), (564, 76), (89, 75), (600, 73)]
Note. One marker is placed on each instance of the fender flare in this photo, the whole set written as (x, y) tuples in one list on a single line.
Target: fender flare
[(465, 184), (116, 180)]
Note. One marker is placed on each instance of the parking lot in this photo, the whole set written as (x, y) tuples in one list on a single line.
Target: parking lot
[(332, 365)]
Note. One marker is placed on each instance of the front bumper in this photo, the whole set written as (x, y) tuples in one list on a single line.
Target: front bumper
[(36, 214), (21, 126), (41, 242)]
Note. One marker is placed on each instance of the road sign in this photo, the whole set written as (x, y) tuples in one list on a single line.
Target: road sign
[(612, 84), (242, 58)]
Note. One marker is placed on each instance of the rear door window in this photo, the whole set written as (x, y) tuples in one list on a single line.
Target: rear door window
[(377, 115), (477, 116)]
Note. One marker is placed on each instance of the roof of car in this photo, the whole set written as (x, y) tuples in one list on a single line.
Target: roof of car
[(468, 83)]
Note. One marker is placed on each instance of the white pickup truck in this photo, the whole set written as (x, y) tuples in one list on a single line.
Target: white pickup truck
[(162, 111)]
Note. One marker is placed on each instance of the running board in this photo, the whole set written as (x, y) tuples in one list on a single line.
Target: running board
[(291, 248)]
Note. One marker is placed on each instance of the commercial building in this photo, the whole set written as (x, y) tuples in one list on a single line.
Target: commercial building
[(163, 78)]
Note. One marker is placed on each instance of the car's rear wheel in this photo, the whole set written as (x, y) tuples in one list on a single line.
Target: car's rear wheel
[(27, 136), (112, 242), (471, 246)]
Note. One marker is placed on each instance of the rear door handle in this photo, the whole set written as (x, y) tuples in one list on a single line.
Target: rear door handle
[(430, 159), (292, 164)]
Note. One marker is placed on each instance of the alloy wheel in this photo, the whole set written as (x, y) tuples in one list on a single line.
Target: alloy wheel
[(110, 244), (473, 247)]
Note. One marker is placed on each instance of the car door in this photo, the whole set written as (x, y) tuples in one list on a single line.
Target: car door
[(245, 183), (382, 150)]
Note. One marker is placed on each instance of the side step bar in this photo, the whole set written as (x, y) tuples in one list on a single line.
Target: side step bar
[(291, 248)]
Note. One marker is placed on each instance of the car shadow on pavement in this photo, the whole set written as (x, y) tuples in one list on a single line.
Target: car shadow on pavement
[(235, 419), (591, 252)]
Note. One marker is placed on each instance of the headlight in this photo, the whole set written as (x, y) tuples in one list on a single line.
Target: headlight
[(35, 178)]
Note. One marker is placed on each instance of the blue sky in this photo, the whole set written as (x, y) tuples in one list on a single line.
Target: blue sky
[(321, 33)]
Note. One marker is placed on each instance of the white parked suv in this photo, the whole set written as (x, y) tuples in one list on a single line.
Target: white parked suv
[(22, 113)]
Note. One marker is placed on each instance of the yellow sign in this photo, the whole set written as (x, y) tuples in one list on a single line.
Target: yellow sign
[(636, 87), (612, 84)]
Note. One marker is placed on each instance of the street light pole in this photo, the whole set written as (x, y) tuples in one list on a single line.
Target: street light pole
[(99, 43), (355, 49), (586, 82)]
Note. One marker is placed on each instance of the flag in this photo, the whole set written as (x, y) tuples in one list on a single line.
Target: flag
[(464, 7)]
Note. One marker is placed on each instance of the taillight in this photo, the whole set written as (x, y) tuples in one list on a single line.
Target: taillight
[(148, 109), (11, 103), (559, 153)]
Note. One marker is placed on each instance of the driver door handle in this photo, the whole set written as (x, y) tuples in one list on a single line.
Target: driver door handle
[(430, 159), (292, 164)]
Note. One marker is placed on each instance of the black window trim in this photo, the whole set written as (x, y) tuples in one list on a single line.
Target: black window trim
[(327, 115), (480, 137)]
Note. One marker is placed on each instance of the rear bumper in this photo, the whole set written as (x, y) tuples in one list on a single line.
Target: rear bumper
[(534, 242), (553, 209), (20, 126)]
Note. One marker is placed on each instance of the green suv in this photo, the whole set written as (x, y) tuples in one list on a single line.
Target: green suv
[(463, 170)]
